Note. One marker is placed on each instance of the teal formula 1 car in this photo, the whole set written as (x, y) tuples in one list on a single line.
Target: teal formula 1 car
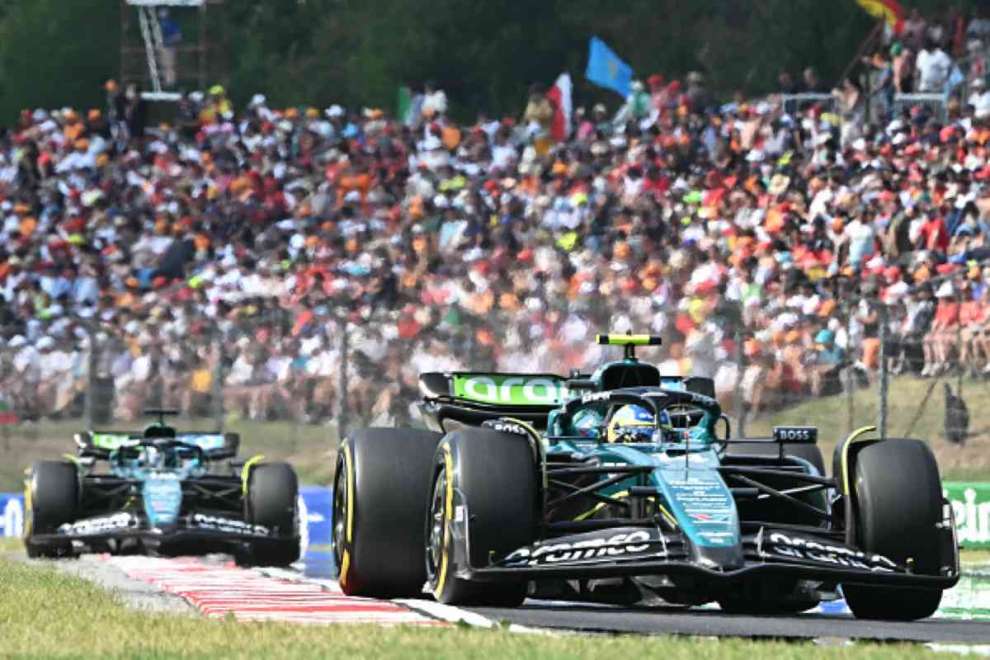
[(527, 485), (165, 492)]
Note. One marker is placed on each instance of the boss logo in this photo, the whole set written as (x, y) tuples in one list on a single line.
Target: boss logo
[(505, 427), (795, 434)]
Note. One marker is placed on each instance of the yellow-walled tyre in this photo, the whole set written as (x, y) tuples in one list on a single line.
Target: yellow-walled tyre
[(483, 505), (898, 498), (51, 496), (380, 490)]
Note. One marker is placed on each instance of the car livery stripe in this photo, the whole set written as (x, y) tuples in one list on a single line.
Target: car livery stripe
[(852, 438), (246, 470), (222, 590)]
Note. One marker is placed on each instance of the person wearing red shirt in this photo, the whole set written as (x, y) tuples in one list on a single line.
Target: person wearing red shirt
[(934, 234)]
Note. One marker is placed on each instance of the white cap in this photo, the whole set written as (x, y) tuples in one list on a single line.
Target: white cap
[(45, 342), (334, 111)]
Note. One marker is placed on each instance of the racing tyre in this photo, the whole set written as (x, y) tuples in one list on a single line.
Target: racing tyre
[(381, 486), (898, 505), (494, 477), (271, 501), (52, 499)]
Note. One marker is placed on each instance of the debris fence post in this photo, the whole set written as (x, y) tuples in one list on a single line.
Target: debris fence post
[(884, 375), (739, 404), (851, 377), (342, 382)]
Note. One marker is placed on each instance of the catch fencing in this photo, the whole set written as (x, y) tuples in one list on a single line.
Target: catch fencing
[(836, 359)]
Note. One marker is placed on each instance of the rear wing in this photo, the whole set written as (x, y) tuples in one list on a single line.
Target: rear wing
[(99, 444), (471, 397)]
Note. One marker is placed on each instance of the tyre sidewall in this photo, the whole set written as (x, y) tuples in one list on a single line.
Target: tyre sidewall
[(386, 474), (490, 508)]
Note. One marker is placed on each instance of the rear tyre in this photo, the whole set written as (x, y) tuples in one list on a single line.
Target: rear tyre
[(898, 498), (272, 501), (495, 512), (52, 499), (381, 487)]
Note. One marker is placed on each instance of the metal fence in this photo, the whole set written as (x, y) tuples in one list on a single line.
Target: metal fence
[(835, 358)]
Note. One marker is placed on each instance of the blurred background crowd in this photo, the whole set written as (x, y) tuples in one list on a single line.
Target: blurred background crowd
[(260, 260)]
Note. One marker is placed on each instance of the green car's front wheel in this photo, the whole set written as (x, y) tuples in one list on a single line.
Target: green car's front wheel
[(495, 481)]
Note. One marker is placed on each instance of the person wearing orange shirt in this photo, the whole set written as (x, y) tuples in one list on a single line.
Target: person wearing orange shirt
[(972, 317), (942, 332)]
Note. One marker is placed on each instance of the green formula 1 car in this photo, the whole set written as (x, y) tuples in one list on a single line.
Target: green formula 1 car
[(626, 486)]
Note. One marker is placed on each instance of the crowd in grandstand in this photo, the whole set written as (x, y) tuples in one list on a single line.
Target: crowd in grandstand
[(222, 253)]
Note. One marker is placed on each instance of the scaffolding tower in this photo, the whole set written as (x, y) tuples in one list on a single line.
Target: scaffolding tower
[(164, 70)]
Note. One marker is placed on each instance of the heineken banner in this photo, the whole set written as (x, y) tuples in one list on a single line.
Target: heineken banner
[(971, 506)]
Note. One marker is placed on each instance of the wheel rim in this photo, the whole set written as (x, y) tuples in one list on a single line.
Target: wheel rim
[(437, 528), (339, 514)]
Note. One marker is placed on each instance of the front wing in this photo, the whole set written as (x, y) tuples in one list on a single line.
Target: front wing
[(642, 551), (205, 529)]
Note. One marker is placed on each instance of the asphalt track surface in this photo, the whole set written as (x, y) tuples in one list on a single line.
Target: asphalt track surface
[(594, 618)]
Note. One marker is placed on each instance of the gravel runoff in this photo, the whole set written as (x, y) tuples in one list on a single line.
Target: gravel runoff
[(134, 593)]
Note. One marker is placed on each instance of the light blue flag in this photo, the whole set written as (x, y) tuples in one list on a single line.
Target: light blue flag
[(606, 69)]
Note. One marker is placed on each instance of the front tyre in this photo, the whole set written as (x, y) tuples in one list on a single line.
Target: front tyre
[(898, 498), (51, 495), (483, 505)]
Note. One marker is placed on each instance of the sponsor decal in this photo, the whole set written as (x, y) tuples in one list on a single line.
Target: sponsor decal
[(205, 441), (162, 495), (227, 525), (110, 441), (795, 434), (11, 515), (510, 390), (799, 547), (596, 396), (607, 544), (99, 525), (971, 509), (503, 426)]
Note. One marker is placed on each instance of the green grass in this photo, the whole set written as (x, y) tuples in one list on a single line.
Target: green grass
[(45, 613), (907, 393)]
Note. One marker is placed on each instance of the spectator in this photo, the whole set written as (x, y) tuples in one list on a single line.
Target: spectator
[(539, 112), (933, 66)]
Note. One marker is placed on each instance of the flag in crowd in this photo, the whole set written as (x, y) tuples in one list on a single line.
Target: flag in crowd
[(889, 11), (606, 69), (560, 98)]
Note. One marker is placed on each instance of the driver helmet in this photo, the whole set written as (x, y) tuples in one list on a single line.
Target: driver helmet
[(632, 423), (588, 423)]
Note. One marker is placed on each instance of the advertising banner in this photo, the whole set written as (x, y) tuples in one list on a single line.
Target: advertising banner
[(971, 507)]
